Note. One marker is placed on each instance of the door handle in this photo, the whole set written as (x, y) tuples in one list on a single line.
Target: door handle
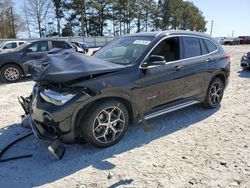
[(177, 68)]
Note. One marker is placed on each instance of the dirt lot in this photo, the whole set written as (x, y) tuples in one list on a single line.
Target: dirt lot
[(192, 147)]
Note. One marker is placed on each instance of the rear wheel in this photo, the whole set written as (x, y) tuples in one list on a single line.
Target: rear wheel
[(11, 73), (214, 94), (105, 123)]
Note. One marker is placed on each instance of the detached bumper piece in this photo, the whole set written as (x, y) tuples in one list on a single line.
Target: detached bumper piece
[(56, 147)]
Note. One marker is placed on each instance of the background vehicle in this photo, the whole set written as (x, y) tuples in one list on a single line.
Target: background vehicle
[(220, 40), (12, 64), (244, 39), (83, 46), (78, 46), (231, 41), (245, 61), (10, 45), (139, 76)]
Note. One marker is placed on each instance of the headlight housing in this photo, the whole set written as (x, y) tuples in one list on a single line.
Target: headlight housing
[(56, 98)]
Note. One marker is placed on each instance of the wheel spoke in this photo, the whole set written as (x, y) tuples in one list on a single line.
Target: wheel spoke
[(114, 132), (118, 120), (99, 125)]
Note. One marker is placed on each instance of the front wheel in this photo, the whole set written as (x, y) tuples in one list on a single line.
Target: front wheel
[(11, 73), (105, 123), (214, 94)]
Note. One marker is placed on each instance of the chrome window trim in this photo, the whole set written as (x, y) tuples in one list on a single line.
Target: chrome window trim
[(171, 62)]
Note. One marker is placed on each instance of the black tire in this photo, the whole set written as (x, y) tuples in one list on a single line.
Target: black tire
[(11, 73), (92, 124), (214, 94)]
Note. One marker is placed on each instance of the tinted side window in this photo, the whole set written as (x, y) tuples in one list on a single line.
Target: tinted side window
[(20, 43), (41, 46), (168, 48), (67, 46), (203, 47), (10, 45), (191, 47), (210, 45), (58, 44)]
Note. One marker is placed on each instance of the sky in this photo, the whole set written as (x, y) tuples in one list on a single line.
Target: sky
[(230, 17)]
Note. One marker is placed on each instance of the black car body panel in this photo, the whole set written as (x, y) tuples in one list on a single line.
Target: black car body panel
[(142, 90), (65, 66)]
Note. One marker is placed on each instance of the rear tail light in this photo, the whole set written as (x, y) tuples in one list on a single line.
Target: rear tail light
[(228, 59)]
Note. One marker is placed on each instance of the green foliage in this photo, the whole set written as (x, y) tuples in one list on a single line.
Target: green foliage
[(123, 16), (179, 14), (10, 22), (58, 4)]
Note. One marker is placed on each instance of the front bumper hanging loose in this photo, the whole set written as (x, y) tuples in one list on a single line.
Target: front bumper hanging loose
[(56, 148)]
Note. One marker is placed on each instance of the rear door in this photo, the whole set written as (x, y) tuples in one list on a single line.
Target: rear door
[(195, 56)]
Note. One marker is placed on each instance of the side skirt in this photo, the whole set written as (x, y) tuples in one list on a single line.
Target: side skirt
[(171, 109)]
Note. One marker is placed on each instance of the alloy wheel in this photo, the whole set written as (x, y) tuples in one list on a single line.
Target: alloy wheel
[(11, 74), (216, 93), (109, 125)]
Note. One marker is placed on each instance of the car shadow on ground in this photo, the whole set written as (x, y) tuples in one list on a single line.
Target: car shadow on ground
[(42, 168), (23, 80), (244, 73)]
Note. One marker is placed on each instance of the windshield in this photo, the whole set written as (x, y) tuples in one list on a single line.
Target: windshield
[(124, 50), (1, 44)]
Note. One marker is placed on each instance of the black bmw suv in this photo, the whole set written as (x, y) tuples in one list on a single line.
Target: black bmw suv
[(135, 77)]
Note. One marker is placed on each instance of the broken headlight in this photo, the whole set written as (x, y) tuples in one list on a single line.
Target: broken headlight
[(56, 98)]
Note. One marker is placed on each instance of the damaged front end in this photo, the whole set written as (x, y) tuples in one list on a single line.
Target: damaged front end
[(54, 99), (49, 113)]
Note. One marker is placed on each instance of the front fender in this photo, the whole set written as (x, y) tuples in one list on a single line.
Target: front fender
[(84, 105)]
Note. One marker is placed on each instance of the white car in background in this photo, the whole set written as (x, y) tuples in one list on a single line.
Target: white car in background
[(10, 45)]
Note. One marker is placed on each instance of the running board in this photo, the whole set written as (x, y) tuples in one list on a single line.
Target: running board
[(170, 109)]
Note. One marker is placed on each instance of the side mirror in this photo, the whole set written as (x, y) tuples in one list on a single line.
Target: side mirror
[(154, 60)]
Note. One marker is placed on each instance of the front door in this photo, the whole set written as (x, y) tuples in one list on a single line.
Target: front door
[(162, 84), (36, 50)]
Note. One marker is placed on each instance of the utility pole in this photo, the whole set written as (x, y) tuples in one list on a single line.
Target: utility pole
[(27, 18), (211, 30), (233, 33), (12, 22)]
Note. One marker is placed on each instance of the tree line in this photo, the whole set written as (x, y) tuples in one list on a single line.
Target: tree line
[(99, 17)]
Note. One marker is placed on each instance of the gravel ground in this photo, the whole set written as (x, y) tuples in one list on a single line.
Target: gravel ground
[(192, 147)]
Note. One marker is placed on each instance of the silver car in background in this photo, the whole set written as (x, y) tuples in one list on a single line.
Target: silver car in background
[(10, 45)]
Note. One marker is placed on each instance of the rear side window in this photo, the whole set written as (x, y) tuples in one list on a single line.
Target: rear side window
[(210, 45), (203, 47), (20, 43), (67, 46), (59, 44), (191, 47)]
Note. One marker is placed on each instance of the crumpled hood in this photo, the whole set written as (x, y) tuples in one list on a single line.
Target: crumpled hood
[(59, 66)]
